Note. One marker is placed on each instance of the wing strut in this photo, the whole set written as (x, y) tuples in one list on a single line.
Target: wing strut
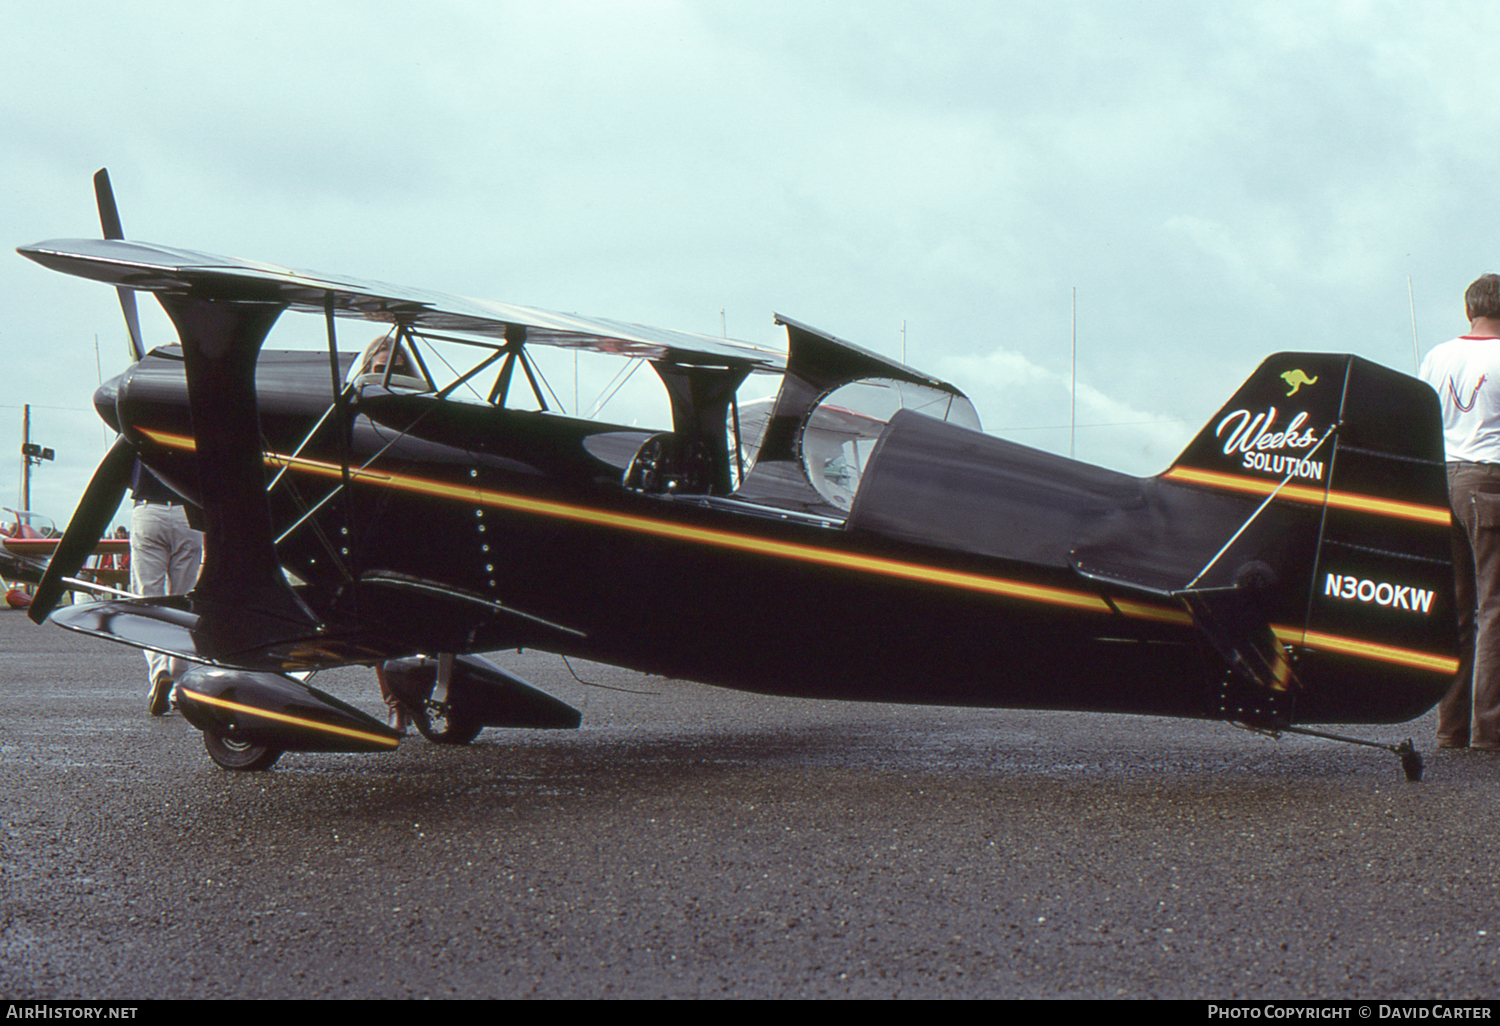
[(515, 352), (341, 406)]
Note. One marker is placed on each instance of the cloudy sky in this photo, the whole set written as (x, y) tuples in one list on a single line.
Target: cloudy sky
[(1218, 181)]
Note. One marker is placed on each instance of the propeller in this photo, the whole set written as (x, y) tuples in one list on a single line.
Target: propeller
[(102, 497), (95, 510), (109, 219)]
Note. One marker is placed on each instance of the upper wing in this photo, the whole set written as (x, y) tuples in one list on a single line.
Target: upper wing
[(140, 265)]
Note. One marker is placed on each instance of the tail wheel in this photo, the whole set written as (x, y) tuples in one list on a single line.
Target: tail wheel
[(239, 755)]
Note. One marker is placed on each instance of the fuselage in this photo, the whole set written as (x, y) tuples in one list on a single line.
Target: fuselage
[(427, 525)]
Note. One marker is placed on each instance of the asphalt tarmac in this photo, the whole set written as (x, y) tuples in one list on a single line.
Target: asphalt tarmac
[(693, 842)]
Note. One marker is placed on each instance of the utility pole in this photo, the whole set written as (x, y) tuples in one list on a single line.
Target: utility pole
[(30, 453), (25, 457)]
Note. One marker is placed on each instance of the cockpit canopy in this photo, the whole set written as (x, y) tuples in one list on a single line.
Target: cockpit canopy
[(846, 423)]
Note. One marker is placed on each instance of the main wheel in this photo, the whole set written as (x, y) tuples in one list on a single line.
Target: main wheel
[(239, 755), (440, 725)]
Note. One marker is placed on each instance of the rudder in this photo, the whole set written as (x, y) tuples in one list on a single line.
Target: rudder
[(1358, 448)]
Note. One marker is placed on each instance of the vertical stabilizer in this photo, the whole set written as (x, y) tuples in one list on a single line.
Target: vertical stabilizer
[(1355, 451)]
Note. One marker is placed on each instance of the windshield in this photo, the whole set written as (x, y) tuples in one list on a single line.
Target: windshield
[(842, 430)]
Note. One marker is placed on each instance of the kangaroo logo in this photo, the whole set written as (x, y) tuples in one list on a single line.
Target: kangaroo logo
[(1297, 379)]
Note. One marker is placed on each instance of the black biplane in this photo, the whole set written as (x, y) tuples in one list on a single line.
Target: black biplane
[(869, 543)]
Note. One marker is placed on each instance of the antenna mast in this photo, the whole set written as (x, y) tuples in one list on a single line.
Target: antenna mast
[(1073, 389), (1416, 353)]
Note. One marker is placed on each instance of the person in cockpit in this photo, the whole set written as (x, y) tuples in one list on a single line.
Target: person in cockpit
[(379, 355)]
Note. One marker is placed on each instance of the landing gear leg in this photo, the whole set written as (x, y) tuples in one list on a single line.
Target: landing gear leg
[(442, 719)]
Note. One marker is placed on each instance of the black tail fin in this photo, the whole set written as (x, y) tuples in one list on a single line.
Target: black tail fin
[(1272, 428), (1367, 609)]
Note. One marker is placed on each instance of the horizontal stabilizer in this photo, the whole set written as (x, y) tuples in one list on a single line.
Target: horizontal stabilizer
[(1138, 575), (1234, 624), (1232, 619)]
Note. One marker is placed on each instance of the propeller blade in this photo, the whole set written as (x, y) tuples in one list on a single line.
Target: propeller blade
[(95, 510), (109, 220), (132, 322), (109, 214)]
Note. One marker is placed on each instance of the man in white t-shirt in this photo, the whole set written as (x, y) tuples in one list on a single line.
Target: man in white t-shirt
[(1466, 374)]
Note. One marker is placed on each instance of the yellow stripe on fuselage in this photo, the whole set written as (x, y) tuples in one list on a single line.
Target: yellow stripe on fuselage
[(1019, 590), (1313, 496), (1367, 650), (683, 532)]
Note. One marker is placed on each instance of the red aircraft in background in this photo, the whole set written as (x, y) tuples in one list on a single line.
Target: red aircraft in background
[(26, 546)]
